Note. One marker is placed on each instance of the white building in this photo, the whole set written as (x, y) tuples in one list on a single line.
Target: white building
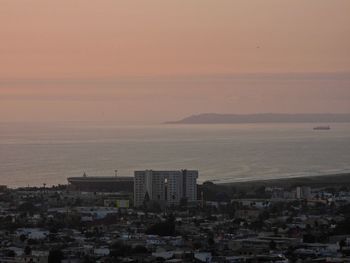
[(165, 187), (303, 192)]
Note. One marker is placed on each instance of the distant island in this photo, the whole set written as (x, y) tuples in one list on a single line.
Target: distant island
[(216, 118)]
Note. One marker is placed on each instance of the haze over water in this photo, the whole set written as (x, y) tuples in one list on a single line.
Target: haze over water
[(37, 153)]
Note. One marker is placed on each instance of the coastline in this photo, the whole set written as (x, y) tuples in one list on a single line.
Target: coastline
[(312, 180)]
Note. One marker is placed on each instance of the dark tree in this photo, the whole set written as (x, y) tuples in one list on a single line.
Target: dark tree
[(27, 207), (139, 250), (166, 228), (342, 244), (343, 228), (272, 245), (55, 256), (27, 250), (119, 249)]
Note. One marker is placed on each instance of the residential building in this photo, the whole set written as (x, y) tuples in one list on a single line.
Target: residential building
[(165, 187)]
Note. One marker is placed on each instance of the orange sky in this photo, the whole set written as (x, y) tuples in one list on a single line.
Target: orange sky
[(157, 60)]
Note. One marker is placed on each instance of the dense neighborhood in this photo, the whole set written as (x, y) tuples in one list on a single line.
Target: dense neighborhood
[(270, 224)]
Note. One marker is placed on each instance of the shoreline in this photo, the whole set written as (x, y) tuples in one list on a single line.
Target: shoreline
[(311, 180), (314, 180)]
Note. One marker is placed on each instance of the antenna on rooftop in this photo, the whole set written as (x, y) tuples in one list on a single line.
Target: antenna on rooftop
[(116, 173)]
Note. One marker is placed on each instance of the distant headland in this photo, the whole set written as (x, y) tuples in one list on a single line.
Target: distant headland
[(217, 118)]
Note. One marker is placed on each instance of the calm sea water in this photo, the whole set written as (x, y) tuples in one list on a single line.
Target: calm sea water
[(33, 154)]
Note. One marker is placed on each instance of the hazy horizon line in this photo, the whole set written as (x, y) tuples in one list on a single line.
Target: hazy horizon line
[(70, 80), (169, 121)]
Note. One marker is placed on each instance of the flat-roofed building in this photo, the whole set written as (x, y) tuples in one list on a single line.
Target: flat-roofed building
[(165, 187), (102, 183)]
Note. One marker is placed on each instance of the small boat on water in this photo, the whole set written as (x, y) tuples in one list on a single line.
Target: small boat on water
[(322, 128)]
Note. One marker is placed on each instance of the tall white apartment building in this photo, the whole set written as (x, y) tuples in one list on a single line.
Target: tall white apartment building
[(165, 187)]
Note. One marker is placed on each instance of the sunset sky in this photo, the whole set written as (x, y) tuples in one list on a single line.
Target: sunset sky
[(159, 60)]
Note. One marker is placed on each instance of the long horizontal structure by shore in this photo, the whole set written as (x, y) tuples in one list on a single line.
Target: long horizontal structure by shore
[(99, 179), (102, 183)]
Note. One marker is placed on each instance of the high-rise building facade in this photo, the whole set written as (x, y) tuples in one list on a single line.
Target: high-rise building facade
[(165, 187)]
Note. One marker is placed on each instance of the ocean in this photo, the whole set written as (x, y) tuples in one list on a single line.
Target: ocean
[(47, 153)]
